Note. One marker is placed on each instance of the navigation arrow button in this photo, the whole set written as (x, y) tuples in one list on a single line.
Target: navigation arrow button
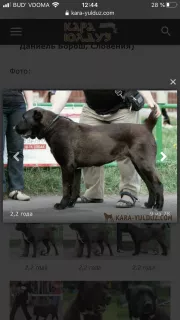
[(16, 156), (163, 156)]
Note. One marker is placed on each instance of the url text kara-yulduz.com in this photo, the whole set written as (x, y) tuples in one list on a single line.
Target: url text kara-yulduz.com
[(89, 13)]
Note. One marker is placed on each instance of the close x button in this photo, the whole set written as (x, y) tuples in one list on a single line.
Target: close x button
[(173, 82)]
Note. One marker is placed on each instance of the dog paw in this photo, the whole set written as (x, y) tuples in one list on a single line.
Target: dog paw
[(44, 254), (33, 256), (71, 203), (158, 207), (59, 206), (147, 205)]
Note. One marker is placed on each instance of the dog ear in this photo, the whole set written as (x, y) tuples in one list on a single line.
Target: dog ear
[(37, 115)]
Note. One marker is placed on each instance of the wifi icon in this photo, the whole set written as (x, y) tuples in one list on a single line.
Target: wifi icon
[(55, 4)]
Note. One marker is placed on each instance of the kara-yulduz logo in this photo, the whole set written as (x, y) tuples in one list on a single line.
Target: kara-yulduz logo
[(85, 33)]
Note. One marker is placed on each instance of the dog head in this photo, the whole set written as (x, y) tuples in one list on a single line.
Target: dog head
[(141, 301), (34, 123), (93, 297), (76, 226)]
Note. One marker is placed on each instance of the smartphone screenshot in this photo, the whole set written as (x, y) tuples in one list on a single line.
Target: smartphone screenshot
[(89, 160)]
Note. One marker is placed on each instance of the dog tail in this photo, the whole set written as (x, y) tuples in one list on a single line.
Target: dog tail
[(151, 121)]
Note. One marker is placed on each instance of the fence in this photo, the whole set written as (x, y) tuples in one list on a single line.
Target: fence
[(159, 136)]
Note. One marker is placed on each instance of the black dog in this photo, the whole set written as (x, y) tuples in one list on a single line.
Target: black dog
[(90, 302), (87, 236), (146, 234), (33, 235), (142, 304), (45, 310), (75, 145)]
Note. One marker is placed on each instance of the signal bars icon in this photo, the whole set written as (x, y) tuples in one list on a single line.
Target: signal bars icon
[(7, 5)]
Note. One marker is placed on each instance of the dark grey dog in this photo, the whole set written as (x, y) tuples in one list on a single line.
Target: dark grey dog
[(33, 235), (88, 236), (140, 235), (90, 302), (45, 310), (142, 304), (75, 145)]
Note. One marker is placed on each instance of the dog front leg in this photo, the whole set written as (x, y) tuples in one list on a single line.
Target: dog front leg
[(137, 248), (89, 248), (110, 249), (75, 188), (34, 249), (101, 247), (26, 249), (163, 247), (47, 246), (80, 249), (55, 248), (67, 179)]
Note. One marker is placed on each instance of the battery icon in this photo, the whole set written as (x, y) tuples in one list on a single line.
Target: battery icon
[(171, 5)]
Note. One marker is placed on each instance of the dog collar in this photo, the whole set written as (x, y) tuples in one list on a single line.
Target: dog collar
[(53, 121)]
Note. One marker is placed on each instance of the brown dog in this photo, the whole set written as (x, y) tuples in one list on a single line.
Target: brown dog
[(77, 145), (32, 236), (140, 235), (87, 236), (142, 304), (90, 302)]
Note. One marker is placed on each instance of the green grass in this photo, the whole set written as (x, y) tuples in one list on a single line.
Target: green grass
[(48, 180)]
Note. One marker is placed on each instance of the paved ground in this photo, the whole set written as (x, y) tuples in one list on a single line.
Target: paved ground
[(15, 253), (69, 254), (43, 211)]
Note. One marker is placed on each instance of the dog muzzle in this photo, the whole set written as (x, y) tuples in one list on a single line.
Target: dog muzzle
[(99, 310), (85, 313)]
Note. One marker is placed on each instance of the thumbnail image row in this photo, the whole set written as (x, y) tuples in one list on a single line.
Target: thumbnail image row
[(90, 300), (96, 241)]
